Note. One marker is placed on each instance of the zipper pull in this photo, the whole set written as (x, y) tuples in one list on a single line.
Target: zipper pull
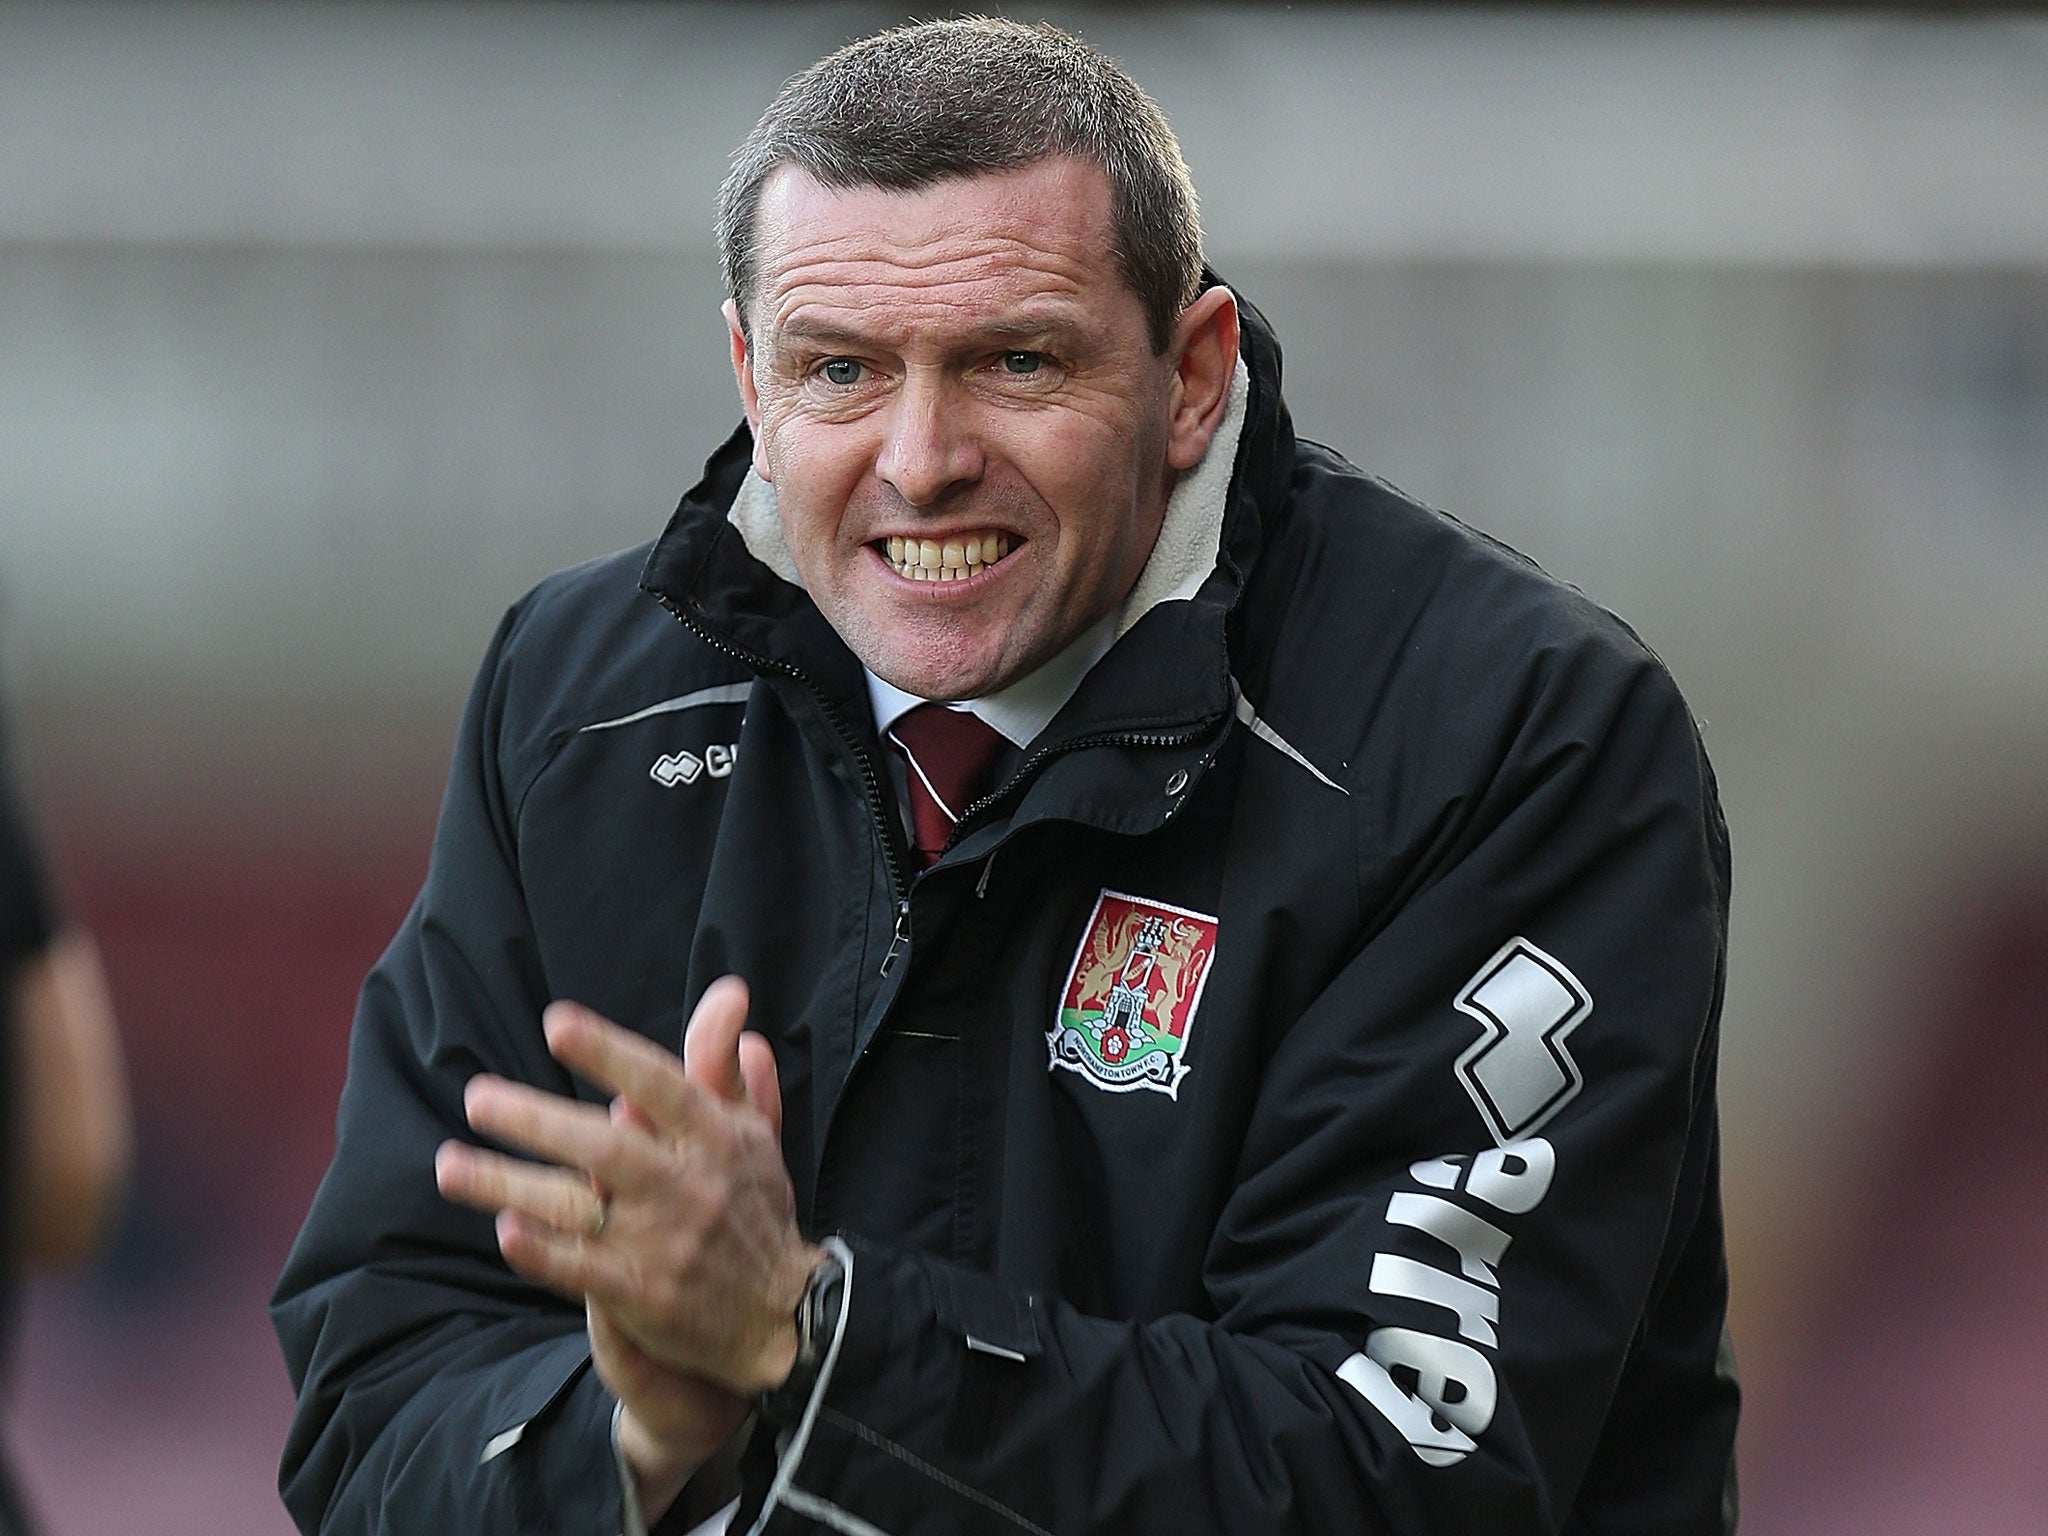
[(901, 937)]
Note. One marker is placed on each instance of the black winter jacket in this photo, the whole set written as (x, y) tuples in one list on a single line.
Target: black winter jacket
[(1287, 1107)]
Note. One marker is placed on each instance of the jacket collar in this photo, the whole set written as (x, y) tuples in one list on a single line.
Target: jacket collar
[(723, 569)]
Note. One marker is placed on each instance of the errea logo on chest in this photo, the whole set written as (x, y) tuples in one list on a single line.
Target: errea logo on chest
[(1129, 1004), (686, 767)]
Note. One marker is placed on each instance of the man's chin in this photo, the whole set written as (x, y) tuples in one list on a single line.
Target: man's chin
[(948, 684), (941, 671)]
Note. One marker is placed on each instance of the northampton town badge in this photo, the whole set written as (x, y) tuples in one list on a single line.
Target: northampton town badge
[(1130, 1000)]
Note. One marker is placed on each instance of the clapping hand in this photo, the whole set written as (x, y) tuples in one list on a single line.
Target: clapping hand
[(670, 1216)]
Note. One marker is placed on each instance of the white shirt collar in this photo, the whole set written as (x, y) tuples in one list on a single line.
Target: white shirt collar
[(1021, 710)]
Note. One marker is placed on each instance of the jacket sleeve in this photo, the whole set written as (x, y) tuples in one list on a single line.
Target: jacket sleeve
[(438, 1392), (1476, 1197)]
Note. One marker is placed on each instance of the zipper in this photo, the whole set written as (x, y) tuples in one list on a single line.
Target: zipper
[(899, 886), (900, 937)]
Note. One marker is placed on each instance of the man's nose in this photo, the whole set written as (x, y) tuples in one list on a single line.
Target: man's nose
[(930, 449)]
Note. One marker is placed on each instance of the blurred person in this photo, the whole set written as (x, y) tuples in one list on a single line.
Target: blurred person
[(1231, 957), (68, 1132)]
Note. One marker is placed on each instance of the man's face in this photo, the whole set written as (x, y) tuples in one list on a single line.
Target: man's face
[(954, 395)]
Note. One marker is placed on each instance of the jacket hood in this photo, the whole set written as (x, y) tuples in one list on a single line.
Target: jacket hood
[(724, 568)]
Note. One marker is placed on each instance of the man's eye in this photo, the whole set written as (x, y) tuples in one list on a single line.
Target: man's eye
[(841, 370), (1023, 362)]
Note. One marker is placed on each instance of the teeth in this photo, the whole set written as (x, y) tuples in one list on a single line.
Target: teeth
[(946, 560)]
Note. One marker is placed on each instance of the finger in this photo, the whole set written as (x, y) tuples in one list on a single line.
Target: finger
[(490, 1182), (764, 1084), (559, 1130), (626, 1112), (621, 1062), (548, 1256), (711, 1042)]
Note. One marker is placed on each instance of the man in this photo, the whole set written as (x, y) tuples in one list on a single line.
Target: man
[(65, 1129), (1250, 1069)]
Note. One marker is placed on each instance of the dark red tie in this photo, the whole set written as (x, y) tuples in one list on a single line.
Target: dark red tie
[(950, 756)]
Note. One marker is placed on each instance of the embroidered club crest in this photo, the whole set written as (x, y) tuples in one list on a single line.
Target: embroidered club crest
[(1129, 1002)]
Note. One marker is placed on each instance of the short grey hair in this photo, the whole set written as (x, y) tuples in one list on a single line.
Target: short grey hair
[(921, 104)]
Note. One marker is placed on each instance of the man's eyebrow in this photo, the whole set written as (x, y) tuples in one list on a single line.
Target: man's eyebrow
[(824, 331), (1030, 328)]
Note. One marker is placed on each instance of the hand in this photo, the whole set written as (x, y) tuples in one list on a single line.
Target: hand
[(672, 1423), (698, 1264)]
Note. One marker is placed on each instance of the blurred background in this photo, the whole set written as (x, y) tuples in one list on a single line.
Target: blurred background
[(326, 330)]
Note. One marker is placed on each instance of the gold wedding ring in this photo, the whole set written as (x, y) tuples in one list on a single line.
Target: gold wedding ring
[(600, 1218)]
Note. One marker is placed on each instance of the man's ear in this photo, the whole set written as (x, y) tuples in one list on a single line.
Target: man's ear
[(743, 375), (1204, 353)]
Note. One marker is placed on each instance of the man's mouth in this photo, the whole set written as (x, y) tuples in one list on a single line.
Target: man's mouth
[(949, 559)]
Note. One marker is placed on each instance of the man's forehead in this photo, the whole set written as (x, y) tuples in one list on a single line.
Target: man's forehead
[(791, 195), (1050, 219)]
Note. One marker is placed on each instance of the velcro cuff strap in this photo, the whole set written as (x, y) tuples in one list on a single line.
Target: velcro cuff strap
[(989, 1317)]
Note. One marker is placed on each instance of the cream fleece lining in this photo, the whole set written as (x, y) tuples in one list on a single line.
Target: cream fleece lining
[(1181, 560)]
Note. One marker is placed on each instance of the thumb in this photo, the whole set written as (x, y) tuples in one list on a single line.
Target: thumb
[(711, 1057), (764, 1084)]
